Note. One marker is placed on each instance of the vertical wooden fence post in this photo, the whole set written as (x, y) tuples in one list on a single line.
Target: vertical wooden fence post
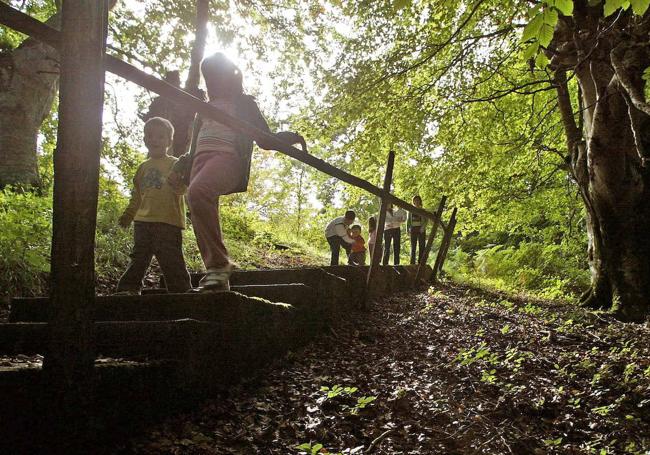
[(432, 235), (444, 246), (69, 362), (379, 239)]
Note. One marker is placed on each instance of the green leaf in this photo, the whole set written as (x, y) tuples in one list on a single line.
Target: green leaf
[(545, 35), (553, 442), (541, 61), (612, 6), (550, 16), (532, 29), (564, 6), (640, 6)]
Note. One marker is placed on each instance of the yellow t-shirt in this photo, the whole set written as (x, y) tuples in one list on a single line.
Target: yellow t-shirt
[(154, 200)]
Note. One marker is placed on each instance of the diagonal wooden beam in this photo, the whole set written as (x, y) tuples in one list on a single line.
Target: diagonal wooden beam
[(427, 250), (379, 238), (444, 247)]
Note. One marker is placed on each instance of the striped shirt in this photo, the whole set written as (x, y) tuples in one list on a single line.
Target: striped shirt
[(215, 136)]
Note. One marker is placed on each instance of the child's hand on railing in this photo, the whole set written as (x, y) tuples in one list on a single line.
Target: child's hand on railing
[(292, 138)]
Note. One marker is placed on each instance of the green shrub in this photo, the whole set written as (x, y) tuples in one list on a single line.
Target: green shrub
[(551, 271), (26, 226)]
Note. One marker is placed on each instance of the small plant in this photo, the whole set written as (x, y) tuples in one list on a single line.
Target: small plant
[(467, 357), (310, 448), (603, 410), (336, 391), (507, 304), (362, 403), (489, 377), (531, 309)]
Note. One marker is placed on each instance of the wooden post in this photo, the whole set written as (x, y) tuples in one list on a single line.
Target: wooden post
[(379, 238), (432, 235), (68, 364), (444, 246)]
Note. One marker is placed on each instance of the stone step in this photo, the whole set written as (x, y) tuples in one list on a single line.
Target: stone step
[(161, 307), (390, 279), (129, 395), (247, 335)]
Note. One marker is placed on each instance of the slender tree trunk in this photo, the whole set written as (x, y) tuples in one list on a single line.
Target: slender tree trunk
[(29, 78), (180, 117)]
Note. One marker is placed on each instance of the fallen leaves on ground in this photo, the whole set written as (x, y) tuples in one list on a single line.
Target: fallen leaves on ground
[(455, 370)]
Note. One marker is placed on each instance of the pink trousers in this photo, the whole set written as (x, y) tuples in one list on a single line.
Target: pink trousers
[(213, 174)]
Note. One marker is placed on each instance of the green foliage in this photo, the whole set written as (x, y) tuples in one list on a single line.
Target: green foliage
[(551, 271), (25, 223), (312, 449), (336, 391), (40, 9)]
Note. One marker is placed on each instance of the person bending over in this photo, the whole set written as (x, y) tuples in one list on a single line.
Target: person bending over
[(337, 235)]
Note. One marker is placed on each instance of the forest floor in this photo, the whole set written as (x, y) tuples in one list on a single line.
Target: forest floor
[(457, 370)]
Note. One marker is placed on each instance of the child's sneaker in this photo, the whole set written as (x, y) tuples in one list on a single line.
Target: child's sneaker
[(216, 279)]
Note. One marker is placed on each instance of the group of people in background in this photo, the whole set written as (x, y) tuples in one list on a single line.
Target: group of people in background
[(219, 163), (342, 233)]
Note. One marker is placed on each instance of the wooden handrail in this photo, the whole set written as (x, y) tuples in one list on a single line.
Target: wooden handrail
[(28, 25)]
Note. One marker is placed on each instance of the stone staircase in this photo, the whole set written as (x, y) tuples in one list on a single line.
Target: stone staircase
[(196, 342)]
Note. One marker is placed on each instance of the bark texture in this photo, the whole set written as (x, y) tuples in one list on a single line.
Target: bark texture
[(607, 157), (29, 78), (68, 364)]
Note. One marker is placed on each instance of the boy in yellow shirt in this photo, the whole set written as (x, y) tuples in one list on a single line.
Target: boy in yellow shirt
[(158, 214)]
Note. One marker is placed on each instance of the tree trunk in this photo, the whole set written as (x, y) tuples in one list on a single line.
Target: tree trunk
[(178, 115), (29, 78), (606, 161)]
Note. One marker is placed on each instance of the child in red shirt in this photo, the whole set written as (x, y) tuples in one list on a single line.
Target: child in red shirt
[(358, 253)]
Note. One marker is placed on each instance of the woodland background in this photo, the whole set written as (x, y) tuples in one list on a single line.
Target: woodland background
[(335, 72)]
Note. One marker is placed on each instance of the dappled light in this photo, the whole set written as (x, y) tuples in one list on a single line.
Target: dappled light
[(324, 227)]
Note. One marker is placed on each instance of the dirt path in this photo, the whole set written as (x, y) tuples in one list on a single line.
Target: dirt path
[(452, 371)]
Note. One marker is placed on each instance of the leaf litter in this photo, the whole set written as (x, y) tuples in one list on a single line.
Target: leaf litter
[(455, 370)]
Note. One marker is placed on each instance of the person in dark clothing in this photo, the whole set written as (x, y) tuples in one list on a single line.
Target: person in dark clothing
[(416, 225)]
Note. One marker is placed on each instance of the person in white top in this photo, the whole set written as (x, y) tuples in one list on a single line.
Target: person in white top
[(337, 235), (392, 232)]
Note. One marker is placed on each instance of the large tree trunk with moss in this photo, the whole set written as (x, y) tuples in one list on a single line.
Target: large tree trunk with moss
[(29, 78), (608, 153)]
